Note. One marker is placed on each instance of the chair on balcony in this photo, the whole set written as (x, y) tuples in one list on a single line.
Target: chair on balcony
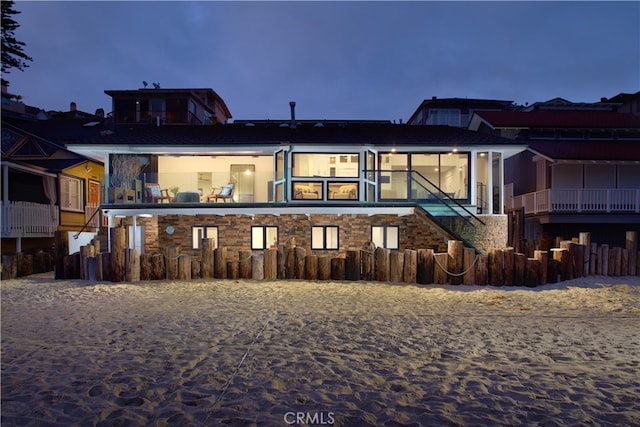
[(156, 194), (225, 193)]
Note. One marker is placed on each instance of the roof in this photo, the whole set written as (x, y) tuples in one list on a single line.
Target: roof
[(556, 119), (587, 150), (472, 103), (344, 133)]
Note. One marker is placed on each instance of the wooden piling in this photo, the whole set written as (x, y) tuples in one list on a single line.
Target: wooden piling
[(509, 260), (532, 274), (603, 260), (543, 257), (233, 270), (585, 239), (469, 267), (257, 266), (632, 247), (562, 256), (455, 250), (145, 267), (382, 264), (324, 267), (61, 241), (593, 259), (519, 269), (118, 245), (424, 267), (132, 262), (207, 268), (440, 276), (482, 270), (158, 267), (244, 257), (220, 263), (311, 265), (396, 266), (368, 265), (352, 268), (171, 261), (196, 268), (496, 267), (337, 268), (271, 264), (184, 267), (410, 266), (300, 254)]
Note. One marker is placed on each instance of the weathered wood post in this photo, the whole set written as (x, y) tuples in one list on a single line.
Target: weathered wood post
[(382, 264), (245, 263), (171, 262), (624, 262), (561, 255), (257, 266), (632, 247), (532, 275), (281, 262), (300, 254), (106, 266), (61, 239), (290, 260), (509, 259), (519, 269), (615, 261), (207, 269), (324, 267), (220, 263), (233, 270), (440, 275), (579, 260), (603, 260), (352, 268), (270, 264), (184, 267), (469, 260), (585, 239), (312, 267), (132, 262), (496, 267), (145, 267), (396, 266), (337, 268), (424, 273), (99, 267), (118, 245), (91, 269), (410, 266), (368, 262), (482, 270), (593, 259), (455, 250), (196, 268), (543, 257), (571, 261), (158, 267)]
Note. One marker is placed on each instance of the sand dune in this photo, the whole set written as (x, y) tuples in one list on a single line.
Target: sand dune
[(296, 352)]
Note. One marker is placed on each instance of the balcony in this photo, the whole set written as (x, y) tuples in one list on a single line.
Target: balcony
[(26, 219), (579, 200)]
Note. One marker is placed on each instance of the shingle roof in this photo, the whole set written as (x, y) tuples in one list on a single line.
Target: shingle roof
[(560, 119), (587, 150), (340, 134)]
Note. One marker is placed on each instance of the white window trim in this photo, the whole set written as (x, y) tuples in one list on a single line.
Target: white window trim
[(68, 201)]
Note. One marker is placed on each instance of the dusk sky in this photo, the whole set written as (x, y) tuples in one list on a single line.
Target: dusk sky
[(337, 60)]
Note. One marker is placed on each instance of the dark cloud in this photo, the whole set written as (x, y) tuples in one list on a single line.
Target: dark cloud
[(371, 60)]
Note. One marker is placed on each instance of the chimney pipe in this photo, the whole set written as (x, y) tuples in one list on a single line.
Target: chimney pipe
[(73, 106), (292, 104)]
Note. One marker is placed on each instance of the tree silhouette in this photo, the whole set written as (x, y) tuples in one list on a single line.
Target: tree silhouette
[(13, 55)]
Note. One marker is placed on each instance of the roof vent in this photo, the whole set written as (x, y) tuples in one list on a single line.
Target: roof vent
[(292, 104)]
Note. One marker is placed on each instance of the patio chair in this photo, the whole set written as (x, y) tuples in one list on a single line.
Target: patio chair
[(225, 193), (156, 194)]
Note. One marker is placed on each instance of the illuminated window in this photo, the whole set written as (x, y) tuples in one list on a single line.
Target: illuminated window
[(264, 237), (324, 237), (71, 197), (325, 165), (387, 237), (203, 232)]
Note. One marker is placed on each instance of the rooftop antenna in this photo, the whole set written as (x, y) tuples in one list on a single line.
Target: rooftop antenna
[(156, 85), (145, 84)]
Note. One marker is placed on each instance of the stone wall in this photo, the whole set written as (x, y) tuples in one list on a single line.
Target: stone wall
[(493, 235), (234, 231)]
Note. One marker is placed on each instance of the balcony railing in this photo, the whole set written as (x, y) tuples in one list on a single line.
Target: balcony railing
[(27, 219), (591, 200)]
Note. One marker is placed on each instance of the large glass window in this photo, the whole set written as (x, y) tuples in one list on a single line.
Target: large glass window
[(264, 237), (324, 237), (307, 190), (343, 191), (387, 237), (199, 232), (325, 165)]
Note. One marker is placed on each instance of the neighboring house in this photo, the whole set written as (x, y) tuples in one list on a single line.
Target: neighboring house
[(581, 171), (45, 188), (455, 112), (168, 107), (330, 185)]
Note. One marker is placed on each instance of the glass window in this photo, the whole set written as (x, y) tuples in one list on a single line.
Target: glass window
[(324, 237), (264, 237), (343, 191), (203, 232), (387, 237), (325, 165), (71, 197), (444, 116), (307, 190), (393, 177)]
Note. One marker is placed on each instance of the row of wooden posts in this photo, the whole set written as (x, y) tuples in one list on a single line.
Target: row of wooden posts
[(459, 265)]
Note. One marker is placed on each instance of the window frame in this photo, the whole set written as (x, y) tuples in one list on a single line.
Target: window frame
[(385, 235), (65, 193), (323, 245), (196, 244), (265, 237)]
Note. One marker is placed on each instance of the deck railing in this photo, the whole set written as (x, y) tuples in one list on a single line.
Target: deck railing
[(27, 219), (593, 200)]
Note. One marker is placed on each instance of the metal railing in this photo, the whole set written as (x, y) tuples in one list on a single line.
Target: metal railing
[(578, 200), (28, 219)]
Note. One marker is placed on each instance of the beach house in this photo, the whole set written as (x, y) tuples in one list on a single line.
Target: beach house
[(329, 184)]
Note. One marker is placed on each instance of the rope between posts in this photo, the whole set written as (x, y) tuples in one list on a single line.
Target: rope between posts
[(457, 274)]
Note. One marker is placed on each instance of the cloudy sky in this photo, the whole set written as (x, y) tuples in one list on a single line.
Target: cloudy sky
[(337, 60)]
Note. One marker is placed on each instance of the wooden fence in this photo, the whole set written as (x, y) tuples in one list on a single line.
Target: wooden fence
[(459, 265)]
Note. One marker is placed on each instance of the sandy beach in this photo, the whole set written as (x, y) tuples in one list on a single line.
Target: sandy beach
[(280, 353)]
